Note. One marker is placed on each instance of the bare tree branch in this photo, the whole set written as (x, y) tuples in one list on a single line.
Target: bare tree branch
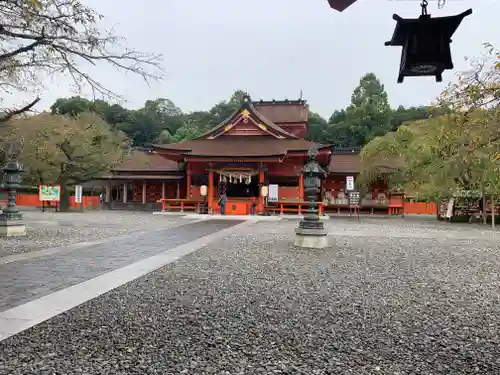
[(62, 37), (15, 112)]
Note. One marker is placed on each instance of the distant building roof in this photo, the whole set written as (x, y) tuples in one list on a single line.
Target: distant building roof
[(282, 112), (146, 160)]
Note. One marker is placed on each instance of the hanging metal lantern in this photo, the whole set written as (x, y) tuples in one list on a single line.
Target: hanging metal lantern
[(426, 43)]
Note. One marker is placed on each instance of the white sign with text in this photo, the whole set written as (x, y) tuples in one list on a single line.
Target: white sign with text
[(349, 183)]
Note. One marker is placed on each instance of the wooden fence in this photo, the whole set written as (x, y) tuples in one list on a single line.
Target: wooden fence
[(33, 201), (422, 208), (24, 199)]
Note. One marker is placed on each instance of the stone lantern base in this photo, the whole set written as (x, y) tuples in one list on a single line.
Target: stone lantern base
[(310, 238), (11, 228)]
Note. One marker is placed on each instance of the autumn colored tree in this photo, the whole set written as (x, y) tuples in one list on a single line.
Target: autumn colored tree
[(446, 153), (65, 150)]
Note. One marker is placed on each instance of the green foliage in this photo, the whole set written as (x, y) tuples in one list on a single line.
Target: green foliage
[(368, 116), (161, 121)]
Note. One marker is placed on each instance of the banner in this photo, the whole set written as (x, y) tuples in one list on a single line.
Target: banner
[(49, 193), (78, 193)]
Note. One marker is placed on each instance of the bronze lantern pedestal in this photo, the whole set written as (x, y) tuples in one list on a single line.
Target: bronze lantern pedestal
[(311, 231), (11, 220)]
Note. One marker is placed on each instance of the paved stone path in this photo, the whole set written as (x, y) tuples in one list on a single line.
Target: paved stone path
[(30, 279), (388, 297)]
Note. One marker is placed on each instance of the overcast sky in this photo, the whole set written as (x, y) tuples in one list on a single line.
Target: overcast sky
[(276, 48)]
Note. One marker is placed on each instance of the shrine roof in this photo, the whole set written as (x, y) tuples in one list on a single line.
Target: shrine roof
[(144, 160), (248, 109), (286, 111), (256, 146), (345, 161)]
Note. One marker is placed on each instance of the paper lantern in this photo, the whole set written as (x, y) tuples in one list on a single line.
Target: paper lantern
[(203, 190), (264, 191)]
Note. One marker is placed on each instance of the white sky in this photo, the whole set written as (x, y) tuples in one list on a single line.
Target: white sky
[(275, 49)]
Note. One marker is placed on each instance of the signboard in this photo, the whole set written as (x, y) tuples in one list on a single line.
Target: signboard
[(349, 183), (273, 193), (78, 194), (49, 193), (354, 198)]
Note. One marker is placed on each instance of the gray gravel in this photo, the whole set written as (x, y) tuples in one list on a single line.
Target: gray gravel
[(49, 229), (252, 304)]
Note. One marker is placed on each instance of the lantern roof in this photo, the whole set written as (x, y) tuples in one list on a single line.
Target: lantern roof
[(445, 26)]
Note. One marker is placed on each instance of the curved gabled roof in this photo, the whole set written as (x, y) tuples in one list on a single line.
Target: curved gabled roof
[(240, 146), (248, 105)]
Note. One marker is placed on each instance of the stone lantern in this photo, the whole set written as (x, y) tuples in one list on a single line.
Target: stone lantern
[(11, 223), (311, 231)]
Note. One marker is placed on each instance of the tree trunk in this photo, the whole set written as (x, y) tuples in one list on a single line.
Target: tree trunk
[(64, 204), (493, 211), (484, 212)]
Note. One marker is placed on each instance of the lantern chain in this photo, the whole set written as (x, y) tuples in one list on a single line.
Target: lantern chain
[(424, 7)]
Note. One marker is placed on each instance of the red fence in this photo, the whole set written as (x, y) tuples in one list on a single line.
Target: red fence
[(32, 200), (420, 208)]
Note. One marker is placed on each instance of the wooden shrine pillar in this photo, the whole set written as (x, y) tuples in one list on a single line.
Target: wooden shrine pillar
[(260, 207), (188, 182), (301, 186), (210, 192), (163, 189), (178, 191), (124, 197), (107, 198), (143, 192)]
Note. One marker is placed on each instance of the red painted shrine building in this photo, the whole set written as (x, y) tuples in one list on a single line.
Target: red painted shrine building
[(261, 144)]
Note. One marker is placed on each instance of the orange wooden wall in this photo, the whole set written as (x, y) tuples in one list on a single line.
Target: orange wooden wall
[(33, 201)]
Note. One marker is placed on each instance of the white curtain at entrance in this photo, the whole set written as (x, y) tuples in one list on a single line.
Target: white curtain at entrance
[(236, 176)]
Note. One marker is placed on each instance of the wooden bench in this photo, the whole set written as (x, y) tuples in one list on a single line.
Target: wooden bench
[(297, 206), (180, 204)]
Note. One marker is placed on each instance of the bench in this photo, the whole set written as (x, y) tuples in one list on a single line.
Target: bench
[(297, 206), (180, 204)]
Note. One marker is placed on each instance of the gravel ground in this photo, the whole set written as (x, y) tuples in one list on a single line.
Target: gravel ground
[(49, 229), (252, 304)]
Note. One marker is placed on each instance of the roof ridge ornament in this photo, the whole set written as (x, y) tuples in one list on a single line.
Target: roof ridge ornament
[(426, 43)]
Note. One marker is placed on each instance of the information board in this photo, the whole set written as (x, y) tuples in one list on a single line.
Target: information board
[(354, 198), (49, 193), (273, 193), (78, 194)]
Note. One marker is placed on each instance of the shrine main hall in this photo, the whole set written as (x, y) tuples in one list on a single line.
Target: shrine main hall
[(261, 145)]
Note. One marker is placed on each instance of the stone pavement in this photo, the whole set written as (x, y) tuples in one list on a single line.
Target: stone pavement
[(388, 297), (26, 280), (47, 230)]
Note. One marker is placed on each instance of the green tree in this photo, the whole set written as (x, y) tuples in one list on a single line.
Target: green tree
[(164, 138), (224, 109), (65, 150), (195, 124), (317, 126), (369, 114)]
